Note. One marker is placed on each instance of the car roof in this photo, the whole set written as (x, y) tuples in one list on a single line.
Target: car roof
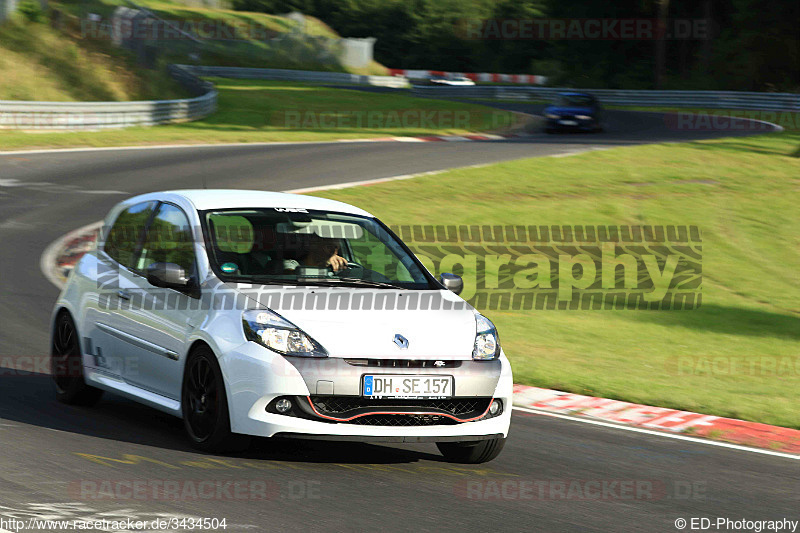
[(204, 199), (575, 94)]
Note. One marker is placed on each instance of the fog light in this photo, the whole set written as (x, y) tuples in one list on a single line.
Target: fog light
[(495, 408), (283, 405)]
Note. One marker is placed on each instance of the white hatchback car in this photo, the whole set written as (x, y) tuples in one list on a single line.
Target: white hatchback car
[(462, 81), (251, 313)]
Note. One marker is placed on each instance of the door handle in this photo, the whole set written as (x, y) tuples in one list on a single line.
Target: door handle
[(125, 295)]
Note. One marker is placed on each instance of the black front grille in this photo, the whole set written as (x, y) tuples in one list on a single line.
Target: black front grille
[(403, 420), (346, 406), (404, 363)]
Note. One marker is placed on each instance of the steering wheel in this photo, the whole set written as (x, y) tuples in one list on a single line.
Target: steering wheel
[(350, 266)]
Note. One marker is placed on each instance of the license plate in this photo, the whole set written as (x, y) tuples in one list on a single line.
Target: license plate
[(568, 122), (388, 386)]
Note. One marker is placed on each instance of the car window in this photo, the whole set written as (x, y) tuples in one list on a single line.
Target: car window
[(126, 233), (273, 245), (169, 240), (376, 255), (574, 100)]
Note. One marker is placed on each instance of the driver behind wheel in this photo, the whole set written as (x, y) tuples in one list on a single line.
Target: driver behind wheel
[(323, 253)]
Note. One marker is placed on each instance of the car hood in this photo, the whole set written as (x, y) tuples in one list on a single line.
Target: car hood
[(355, 322), (576, 110)]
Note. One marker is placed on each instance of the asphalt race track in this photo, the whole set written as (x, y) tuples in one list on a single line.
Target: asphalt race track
[(53, 455)]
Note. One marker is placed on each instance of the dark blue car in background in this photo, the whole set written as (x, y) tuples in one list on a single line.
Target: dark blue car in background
[(574, 111)]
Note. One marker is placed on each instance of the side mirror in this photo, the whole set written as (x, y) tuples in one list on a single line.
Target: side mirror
[(167, 275), (452, 282)]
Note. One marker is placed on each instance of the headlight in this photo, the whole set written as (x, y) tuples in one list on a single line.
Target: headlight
[(551, 115), (583, 117), (487, 343), (271, 330)]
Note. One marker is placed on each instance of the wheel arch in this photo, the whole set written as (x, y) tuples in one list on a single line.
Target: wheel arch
[(194, 346), (58, 311)]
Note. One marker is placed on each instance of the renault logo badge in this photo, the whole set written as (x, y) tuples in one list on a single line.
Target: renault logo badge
[(401, 342)]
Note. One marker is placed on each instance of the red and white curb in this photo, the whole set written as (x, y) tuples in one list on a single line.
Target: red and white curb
[(474, 76), (740, 434), (451, 138)]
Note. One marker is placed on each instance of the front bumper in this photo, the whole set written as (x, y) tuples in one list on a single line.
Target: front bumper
[(571, 123), (398, 439), (255, 377)]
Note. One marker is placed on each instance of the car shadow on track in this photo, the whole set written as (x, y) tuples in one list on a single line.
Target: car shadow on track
[(29, 398)]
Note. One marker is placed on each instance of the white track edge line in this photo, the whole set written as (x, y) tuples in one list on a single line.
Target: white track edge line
[(400, 177), (349, 184), (658, 433), (198, 145), (777, 127)]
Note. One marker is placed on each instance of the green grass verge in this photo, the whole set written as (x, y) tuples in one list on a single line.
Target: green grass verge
[(233, 38), (263, 111), (742, 192), (41, 64), (178, 11)]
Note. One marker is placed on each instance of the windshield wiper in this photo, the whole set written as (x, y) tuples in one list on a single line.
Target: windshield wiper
[(360, 282), (271, 281), (306, 282)]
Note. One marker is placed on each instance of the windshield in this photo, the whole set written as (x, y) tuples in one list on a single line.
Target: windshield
[(273, 245), (578, 100)]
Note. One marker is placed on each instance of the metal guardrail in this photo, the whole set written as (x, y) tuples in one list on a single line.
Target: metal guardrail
[(26, 115), (700, 99), (99, 115), (309, 76)]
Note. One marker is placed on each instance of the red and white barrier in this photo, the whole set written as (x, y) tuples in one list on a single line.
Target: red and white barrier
[(528, 79), (660, 418)]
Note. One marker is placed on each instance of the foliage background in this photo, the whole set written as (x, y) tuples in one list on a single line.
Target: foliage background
[(754, 45)]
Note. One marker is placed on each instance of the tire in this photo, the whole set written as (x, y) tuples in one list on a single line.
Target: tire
[(204, 404), (66, 365), (471, 452)]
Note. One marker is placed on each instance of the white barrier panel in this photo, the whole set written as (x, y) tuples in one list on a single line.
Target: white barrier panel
[(101, 115)]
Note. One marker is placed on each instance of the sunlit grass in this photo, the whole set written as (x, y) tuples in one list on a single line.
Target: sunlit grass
[(253, 111), (742, 192), (40, 64)]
